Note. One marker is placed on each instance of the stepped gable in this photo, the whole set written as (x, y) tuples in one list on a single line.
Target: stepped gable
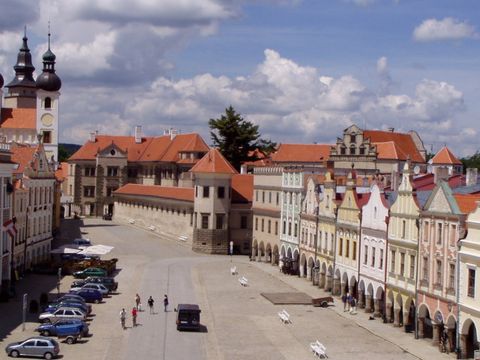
[(22, 155), (301, 153), (166, 192), (242, 188), (214, 162), (404, 142), (467, 203), (444, 157), (18, 118)]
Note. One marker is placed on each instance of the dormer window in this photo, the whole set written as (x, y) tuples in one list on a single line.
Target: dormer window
[(48, 103)]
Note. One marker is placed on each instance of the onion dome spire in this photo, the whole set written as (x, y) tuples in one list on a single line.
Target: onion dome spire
[(48, 80), (23, 68)]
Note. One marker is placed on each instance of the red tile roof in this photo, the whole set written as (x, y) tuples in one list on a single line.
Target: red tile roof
[(23, 156), (467, 203), (167, 192), (390, 150), (445, 156), (62, 171), (301, 153), (18, 118), (161, 148), (213, 162), (426, 182), (403, 141), (242, 188)]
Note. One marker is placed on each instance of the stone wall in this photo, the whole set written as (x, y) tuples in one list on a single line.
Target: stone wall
[(210, 241)]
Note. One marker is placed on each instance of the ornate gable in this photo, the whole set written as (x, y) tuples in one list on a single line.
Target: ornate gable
[(112, 151)]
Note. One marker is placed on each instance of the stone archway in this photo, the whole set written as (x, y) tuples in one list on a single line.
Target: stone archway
[(398, 311), (468, 339), (451, 325), (329, 279), (303, 266), (353, 288), (379, 302), (317, 275), (275, 257), (254, 249), (261, 251), (409, 315), (310, 270), (345, 285), (390, 304), (337, 284), (425, 329), (361, 295), (295, 259), (369, 298), (268, 253)]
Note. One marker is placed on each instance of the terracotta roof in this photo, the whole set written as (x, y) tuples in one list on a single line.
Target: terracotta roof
[(301, 153), (403, 141), (22, 155), (390, 150), (242, 188), (167, 192), (161, 148), (362, 199), (445, 156), (467, 203), (62, 171), (426, 182), (18, 118), (213, 162), (188, 161)]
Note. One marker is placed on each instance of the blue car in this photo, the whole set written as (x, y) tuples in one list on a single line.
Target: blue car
[(71, 297), (90, 295), (64, 328), (73, 304)]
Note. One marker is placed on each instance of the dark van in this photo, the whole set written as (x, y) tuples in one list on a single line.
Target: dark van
[(188, 317)]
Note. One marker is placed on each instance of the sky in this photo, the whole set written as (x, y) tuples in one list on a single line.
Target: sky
[(303, 70)]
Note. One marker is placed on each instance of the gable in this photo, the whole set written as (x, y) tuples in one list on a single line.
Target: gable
[(112, 151)]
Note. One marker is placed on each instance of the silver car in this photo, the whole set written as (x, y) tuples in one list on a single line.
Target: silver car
[(44, 347), (62, 313), (100, 287)]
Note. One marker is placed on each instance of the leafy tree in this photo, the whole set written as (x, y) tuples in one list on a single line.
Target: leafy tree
[(471, 161), (237, 139)]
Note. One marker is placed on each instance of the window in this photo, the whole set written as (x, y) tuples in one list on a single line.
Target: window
[(206, 191), (263, 196), (404, 228), (439, 233), (380, 266), (374, 212), (112, 170), (204, 221), (402, 264), (221, 192), (471, 283), (196, 191), (289, 229), (392, 261), (89, 191), (453, 234), (425, 231), (243, 222), (362, 150), (47, 137), (48, 103), (340, 247), (372, 264), (343, 150), (412, 266), (256, 195), (365, 256), (354, 252), (269, 226), (256, 223), (89, 171), (220, 218), (425, 268), (439, 272), (263, 225), (278, 198), (110, 190), (347, 248), (451, 278), (276, 227), (353, 138), (269, 197), (284, 227), (296, 229)]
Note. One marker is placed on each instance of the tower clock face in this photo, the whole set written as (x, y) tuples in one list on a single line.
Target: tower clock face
[(47, 120)]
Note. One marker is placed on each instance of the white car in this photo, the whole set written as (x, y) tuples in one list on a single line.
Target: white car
[(100, 287), (62, 313), (82, 241)]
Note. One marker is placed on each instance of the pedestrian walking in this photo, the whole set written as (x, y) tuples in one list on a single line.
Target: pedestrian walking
[(344, 300), (444, 342), (353, 306), (134, 316), (165, 302), (349, 301), (137, 301), (150, 302), (123, 317)]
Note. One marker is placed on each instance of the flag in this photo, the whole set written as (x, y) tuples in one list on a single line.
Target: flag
[(9, 226)]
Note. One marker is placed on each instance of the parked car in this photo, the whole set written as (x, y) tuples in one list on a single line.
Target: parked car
[(87, 309), (64, 328), (108, 282), (107, 216), (188, 317), (71, 297), (92, 271), (99, 287), (61, 314), (90, 295), (82, 241), (44, 347)]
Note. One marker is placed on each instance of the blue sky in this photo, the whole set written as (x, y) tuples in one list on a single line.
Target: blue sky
[(301, 69)]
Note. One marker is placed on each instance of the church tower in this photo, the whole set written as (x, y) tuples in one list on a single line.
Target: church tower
[(22, 89), (48, 85)]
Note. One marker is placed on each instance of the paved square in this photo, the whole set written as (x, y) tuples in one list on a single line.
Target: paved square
[(291, 298)]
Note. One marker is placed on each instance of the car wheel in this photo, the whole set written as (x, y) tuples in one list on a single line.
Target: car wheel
[(97, 301), (48, 355), (70, 340), (14, 353), (46, 333)]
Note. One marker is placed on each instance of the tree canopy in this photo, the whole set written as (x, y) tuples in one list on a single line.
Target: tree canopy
[(238, 139), (471, 161)]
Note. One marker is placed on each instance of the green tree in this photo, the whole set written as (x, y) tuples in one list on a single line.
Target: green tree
[(237, 139), (471, 161), (63, 153)]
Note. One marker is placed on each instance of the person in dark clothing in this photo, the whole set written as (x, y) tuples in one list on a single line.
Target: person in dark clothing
[(165, 302), (150, 302)]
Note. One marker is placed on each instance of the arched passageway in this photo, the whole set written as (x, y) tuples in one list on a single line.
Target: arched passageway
[(468, 340)]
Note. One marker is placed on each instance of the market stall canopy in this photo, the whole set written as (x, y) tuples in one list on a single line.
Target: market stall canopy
[(96, 250), (66, 249)]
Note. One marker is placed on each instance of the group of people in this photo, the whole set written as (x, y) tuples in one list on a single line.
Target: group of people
[(349, 303), (138, 307)]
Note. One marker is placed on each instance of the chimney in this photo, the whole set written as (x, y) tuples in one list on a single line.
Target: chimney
[(472, 174), (138, 134), (439, 173), (173, 133), (93, 136), (243, 169)]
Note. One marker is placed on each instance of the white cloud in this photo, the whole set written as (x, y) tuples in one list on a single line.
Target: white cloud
[(445, 29)]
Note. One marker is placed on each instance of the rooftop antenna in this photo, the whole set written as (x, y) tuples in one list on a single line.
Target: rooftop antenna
[(25, 31), (48, 34)]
